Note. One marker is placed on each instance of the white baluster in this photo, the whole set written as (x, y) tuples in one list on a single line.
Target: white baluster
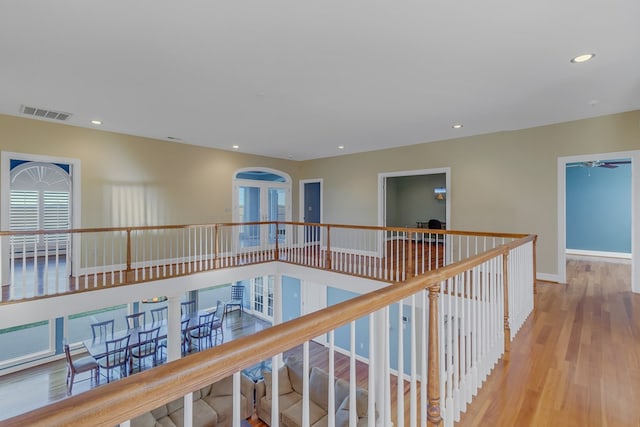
[(236, 398), (305, 384), (413, 417), (400, 377), (353, 407)]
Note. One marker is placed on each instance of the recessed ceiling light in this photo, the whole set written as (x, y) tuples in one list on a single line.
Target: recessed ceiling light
[(457, 126), (235, 147), (583, 58), (96, 122), (340, 147)]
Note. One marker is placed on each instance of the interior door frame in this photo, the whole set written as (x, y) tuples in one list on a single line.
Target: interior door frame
[(382, 191), (635, 210), (301, 208), (264, 186), (301, 237)]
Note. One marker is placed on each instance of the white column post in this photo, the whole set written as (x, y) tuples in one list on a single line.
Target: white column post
[(277, 310), (379, 362), (173, 329)]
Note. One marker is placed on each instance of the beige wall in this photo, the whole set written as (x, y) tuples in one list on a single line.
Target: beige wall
[(128, 180), (504, 181), (499, 182)]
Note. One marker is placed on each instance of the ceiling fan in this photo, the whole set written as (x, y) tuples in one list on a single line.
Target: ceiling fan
[(609, 164)]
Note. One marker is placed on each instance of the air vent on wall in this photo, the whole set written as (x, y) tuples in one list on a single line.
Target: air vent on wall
[(44, 113)]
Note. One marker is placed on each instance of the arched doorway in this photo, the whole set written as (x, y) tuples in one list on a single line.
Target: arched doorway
[(260, 195)]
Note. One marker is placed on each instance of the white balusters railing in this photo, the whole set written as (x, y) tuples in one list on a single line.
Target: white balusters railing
[(108, 257)]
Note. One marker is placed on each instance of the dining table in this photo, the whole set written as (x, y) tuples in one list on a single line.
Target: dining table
[(98, 348)]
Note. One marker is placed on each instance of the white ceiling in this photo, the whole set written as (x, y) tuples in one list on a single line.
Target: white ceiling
[(297, 78)]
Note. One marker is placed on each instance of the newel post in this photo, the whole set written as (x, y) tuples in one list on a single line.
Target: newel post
[(505, 287), (434, 416)]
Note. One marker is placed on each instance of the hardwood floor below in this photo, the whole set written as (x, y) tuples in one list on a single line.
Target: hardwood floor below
[(575, 362)]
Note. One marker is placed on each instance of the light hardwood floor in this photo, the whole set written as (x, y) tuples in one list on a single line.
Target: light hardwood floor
[(575, 362)]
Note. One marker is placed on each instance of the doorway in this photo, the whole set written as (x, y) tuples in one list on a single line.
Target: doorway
[(420, 194), (311, 208), (261, 195), (591, 164)]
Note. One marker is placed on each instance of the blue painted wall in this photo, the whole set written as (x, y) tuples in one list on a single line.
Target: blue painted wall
[(599, 208), (290, 298), (342, 335)]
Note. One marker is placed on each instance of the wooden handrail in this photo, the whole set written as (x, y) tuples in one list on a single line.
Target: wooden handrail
[(132, 396), (237, 224)]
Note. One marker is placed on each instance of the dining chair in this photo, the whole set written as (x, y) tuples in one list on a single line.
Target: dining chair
[(102, 330), (216, 325), (147, 346), (202, 331), (184, 330), (184, 341), (136, 320), (78, 366), (237, 296), (188, 307), (159, 315), (116, 356)]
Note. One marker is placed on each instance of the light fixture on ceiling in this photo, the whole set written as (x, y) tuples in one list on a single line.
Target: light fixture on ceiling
[(457, 126), (235, 147), (96, 122), (582, 58), (340, 147)]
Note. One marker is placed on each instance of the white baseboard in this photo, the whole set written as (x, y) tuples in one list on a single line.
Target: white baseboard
[(548, 277), (598, 254)]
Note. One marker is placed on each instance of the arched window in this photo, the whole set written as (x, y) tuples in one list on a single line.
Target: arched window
[(40, 198)]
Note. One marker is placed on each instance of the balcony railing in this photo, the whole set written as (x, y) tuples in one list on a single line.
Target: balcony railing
[(85, 259), (459, 296)]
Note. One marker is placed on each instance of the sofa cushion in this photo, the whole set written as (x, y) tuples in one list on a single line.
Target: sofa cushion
[(292, 416), (204, 391), (362, 403), (296, 369), (175, 405), (203, 415), (284, 385), (223, 405), (319, 387), (341, 391), (144, 420), (160, 412), (165, 422), (224, 387), (284, 402), (324, 422)]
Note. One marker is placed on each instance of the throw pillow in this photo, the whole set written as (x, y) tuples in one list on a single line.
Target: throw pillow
[(296, 368), (284, 385)]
